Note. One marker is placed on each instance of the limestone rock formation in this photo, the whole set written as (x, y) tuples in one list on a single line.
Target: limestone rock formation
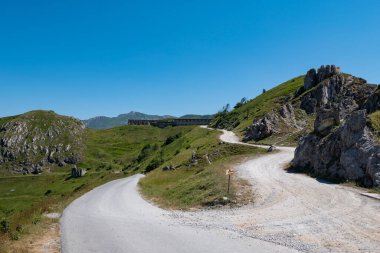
[(271, 123), (314, 77), (262, 127), (342, 145), (349, 152), (344, 93), (31, 142)]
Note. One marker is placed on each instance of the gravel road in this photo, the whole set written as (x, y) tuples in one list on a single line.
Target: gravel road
[(292, 212), (302, 212), (114, 218)]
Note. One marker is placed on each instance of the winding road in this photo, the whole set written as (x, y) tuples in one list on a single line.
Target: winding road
[(292, 212)]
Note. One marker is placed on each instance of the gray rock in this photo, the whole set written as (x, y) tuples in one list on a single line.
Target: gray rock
[(326, 119), (310, 79), (168, 167), (261, 128), (372, 103), (349, 152), (314, 77), (269, 124), (344, 93), (77, 172)]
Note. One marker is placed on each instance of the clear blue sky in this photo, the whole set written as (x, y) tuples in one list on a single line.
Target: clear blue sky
[(88, 58)]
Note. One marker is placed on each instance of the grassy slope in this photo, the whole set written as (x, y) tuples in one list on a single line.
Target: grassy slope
[(195, 185), (117, 148), (375, 122), (239, 119)]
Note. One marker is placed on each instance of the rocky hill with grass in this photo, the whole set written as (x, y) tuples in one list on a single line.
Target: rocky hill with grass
[(344, 142), (39, 140), (274, 117), (331, 117)]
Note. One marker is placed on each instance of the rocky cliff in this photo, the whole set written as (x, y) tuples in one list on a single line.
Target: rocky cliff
[(344, 145), (34, 141)]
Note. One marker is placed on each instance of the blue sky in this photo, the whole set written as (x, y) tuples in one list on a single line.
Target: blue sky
[(88, 58)]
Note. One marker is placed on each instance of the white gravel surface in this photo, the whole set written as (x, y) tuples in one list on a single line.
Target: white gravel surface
[(291, 212)]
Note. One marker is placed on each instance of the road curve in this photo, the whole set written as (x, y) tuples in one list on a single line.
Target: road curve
[(114, 218), (291, 212)]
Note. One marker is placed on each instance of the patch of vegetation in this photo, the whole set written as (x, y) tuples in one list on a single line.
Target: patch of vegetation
[(374, 121), (244, 113)]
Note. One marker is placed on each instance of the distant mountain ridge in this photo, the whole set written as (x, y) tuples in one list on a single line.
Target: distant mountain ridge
[(103, 122)]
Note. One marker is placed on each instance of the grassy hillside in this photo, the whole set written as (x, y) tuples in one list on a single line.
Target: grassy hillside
[(194, 185), (118, 148), (240, 118)]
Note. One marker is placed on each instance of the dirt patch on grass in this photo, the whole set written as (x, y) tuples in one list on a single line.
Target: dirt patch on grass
[(45, 240)]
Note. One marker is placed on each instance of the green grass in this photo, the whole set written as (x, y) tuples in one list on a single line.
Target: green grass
[(240, 118), (118, 148), (23, 199)]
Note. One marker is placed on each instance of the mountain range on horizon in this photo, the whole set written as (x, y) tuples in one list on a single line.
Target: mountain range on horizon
[(104, 122)]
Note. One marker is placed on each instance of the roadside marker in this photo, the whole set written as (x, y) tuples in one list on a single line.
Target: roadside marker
[(229, 172)]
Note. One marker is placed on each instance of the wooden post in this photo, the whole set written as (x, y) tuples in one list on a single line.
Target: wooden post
[(228, 188), (229, 173)]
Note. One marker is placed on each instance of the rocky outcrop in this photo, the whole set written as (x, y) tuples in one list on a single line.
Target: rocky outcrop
[(32, 142), (342, 146), (349, 152), (271, 123), (314, 77), (262, 127), (344, 93)]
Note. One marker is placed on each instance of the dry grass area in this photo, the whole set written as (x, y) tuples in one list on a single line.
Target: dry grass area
[(44, 238)]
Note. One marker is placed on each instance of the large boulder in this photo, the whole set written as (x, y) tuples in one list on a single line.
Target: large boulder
[(261, 128), (271, 123)]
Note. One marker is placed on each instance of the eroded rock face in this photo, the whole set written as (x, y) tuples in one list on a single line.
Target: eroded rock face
[(326, 119), (349, 152), (346, 94), (270, 123)]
